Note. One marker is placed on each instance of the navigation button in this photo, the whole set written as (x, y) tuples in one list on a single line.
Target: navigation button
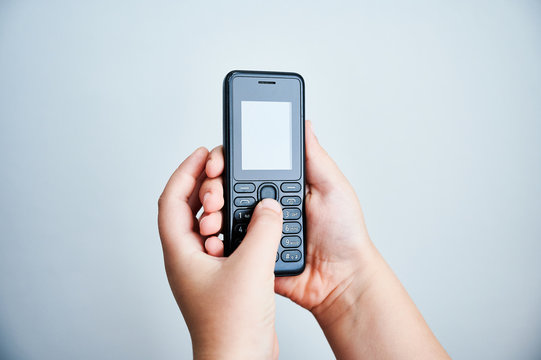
[(268, 191)]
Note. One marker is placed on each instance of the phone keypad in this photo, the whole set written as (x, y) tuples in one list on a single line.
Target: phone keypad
[(290, 196)]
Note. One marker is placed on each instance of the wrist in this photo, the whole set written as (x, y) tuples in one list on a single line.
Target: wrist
[(226, 346), (342, 301), (227, 352), (371, 310)]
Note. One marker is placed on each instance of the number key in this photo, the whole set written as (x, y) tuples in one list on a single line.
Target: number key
[(240, 230), (291, 228), (291, 214), (291, 255), (243, 214), (291, 241)]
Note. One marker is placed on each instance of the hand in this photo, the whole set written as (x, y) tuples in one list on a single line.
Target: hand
[(361, 306), (338, 246), (228, 303)]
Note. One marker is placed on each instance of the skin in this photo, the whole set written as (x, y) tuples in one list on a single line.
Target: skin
[(360, 304)]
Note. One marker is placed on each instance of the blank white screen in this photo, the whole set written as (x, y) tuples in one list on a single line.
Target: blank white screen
[(266, 135)]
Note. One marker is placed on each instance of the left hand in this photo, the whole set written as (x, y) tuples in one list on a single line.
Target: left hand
[(228, 303)]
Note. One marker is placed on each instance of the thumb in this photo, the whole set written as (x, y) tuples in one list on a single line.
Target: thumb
[(321, 171), (259, 247)]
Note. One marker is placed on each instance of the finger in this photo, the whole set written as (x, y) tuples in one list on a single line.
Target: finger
[(321, 171), (215, 162), (258, 249), (210, 223), (175, 216), (193, 201), (211, 194), (214, 246), (285, 286)]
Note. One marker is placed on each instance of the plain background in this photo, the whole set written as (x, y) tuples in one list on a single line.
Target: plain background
[(432, 109)]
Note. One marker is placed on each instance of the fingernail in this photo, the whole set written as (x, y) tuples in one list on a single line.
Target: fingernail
[(271, 204), (207, 194)]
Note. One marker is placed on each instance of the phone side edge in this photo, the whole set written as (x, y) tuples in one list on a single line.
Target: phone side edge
[(227, 161)]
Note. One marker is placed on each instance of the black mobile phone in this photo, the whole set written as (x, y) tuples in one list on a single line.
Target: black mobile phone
[(263, 133)]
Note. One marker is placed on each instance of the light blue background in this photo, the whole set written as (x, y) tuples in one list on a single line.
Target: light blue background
[(432, 109)]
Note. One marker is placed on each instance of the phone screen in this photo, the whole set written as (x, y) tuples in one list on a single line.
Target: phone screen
[(266, 128)]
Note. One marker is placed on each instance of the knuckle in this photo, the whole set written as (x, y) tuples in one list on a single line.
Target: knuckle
[(205, 184), (217, 186)]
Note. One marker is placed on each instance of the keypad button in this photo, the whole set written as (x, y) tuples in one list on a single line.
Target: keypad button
[(267, 192), (291, 228), (291, 214), (291, 241), (243, 215), (276, 257), (240, 230), (291, 187), (244, 201), (291, 255), (291, 200), (244, 188)]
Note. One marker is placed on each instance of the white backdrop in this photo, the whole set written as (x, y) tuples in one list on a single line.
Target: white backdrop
[(432, 109)]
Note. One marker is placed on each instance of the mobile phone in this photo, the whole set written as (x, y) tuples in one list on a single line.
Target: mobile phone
[(263, 131)]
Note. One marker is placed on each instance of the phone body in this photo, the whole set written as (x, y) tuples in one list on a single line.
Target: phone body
[(263, 129)]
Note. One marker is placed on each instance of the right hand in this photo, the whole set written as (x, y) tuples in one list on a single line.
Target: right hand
[(339, 250), (361, 306)]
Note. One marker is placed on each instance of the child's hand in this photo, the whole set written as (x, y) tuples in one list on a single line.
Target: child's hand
[(338, 246), (228, 303), (361, 306)]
